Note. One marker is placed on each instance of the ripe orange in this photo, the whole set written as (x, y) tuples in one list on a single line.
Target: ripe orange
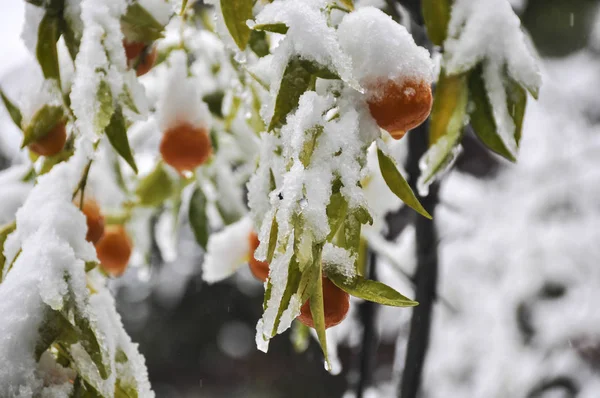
[(94, 219), (185, 146), (114, 249), (52, 143), (399, 107), (336, 303), (260, 269), (137, 54)]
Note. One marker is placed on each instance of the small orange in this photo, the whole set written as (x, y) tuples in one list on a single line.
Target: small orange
[(336, 303), (52, 143), (114, 249), (185, 147), (399, 107), (93, 218), (260, 269), (139, 55)]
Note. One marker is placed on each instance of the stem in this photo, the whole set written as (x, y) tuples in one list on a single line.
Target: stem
[(426, 273), (367, 311)]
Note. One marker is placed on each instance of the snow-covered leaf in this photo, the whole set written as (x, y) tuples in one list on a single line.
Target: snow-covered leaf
[(445, 131), (155, 188), (235, 14), (139, 25), (295, 82), (336, 211), (482, 116), (43, 121), (370, 290), (13, 110), (5, 230), (116, 131), (291, 288), (280, 28), (272, 240), (436, 14), (106, 106), (46, 51), (397, 184), (198, 217)]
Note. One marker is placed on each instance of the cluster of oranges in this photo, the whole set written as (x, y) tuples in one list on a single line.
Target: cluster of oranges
[(336, 302), (113, 245)]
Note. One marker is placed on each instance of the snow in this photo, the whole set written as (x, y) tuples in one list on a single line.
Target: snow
[(338, 260), (227, 251), (382, 50)]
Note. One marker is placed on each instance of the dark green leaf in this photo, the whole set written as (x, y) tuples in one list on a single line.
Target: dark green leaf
[(397, 184), (46, 51), (295, 82), (482, 116), (198, 217), (42, 122), (13, 110), (436, 14), (517, 102), (116, 131), (139, 25), (259, 43), (272, 27), (369, 290), (319, 70), (215, 102), (235, 14), (155, 188), (106, 106)]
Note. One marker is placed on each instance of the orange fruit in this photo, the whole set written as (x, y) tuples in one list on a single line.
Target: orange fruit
[(52, 143), (260, 269), (185, 147), (93, 218), (399, 107), (137, 53), (336, 303), (114, 249)]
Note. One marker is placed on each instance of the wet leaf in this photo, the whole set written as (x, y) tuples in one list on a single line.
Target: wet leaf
[(116, 131), (397, 184), (198, 217), (370, 290), (236, 13)]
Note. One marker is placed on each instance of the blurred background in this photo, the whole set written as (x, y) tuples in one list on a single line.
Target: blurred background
[(519, 289)]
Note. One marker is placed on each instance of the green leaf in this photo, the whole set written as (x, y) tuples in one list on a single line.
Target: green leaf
[(51, 161), (319, 71), (311, 274), (312, 135), (369, 290), (72, 41), (46, 51), (318, 314), (295, 82), (116, 131), (5, 230), (280, 28), (198, 217), (398, 184), (139, 25), (291, 287), (436, 14), (259, 43), (155, 188), (336, 210), (13, 110), (127, 99), (482, 116), (106, 107), (517, 102), (235, 14), (300, 337), (42, 122), (90, 342), (51, 329), (214, 101), (447, 122), (272, 239), (349, 237)]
